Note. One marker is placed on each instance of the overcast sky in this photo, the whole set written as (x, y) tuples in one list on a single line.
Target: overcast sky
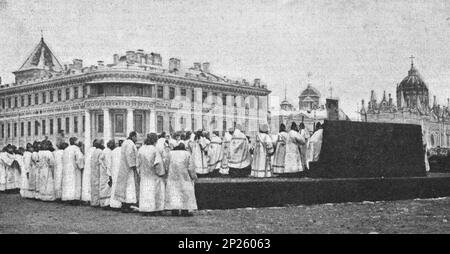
[(353, 46)]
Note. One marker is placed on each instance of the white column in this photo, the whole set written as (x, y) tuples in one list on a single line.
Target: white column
[(229, 112), (87, 130), (106, 126), (130, 121), (198, 108), (152, 121), (262, 109)]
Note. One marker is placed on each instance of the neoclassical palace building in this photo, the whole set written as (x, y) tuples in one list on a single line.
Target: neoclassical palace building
[(134, 92)]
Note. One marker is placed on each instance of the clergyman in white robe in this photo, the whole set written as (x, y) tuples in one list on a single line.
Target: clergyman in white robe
[(239, 158), (126, 183), (180, 192), (46, 176), (280, 151), (34, 174), (261, 164), (293, 162), (225, 152), (7, 173), (152, 184), (304, 147), (100, 190), (214, 153), (25, 191), (58, 154), (86, 179), (73, 161), (314, 146), (18, 166), (115, 165), (198, 148), (6, 161)]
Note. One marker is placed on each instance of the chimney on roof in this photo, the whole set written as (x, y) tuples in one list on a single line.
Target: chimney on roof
[(197, 66), (157, 59), (174, 64), (434, 100), (206, 67), (140, 56), (257, 82), (130, 56), (116, 58), (77, 63), (100, 64)]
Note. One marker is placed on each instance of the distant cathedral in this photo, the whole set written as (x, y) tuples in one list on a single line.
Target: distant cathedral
[(413, 107), (309, 111)]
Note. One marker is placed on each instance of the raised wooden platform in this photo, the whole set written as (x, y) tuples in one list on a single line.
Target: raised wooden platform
[(227, 193)]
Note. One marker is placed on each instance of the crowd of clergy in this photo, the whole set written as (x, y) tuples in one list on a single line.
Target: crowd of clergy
[(158, 175)]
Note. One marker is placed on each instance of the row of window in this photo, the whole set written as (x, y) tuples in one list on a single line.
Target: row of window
[(119, 123), (40, 127), (27, 100), (13, 102), (183, 93)]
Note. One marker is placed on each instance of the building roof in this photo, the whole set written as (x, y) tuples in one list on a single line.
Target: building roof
[(41, 58)]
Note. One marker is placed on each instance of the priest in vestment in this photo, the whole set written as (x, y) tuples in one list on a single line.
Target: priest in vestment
[(47, 166), (198, 148), (7, 173), (106, 174), (180, 192), (280, 151), (17, 167), (100, 189), (226, 151), (126, 189), (152, 184), (261, 164), (25, 191), (58, 154), (214, 153), (293, 163), (86, 179), (304, 147), (73, 161), (315, 145), (162, 145), (239, 158), (34, 170), (115, 165)]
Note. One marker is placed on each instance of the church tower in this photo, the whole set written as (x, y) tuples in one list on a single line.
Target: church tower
[(40, 63)]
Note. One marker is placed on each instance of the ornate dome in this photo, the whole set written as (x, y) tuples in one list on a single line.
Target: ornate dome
[(412, 92), (413, 81), (309, 98), (310, 92)]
